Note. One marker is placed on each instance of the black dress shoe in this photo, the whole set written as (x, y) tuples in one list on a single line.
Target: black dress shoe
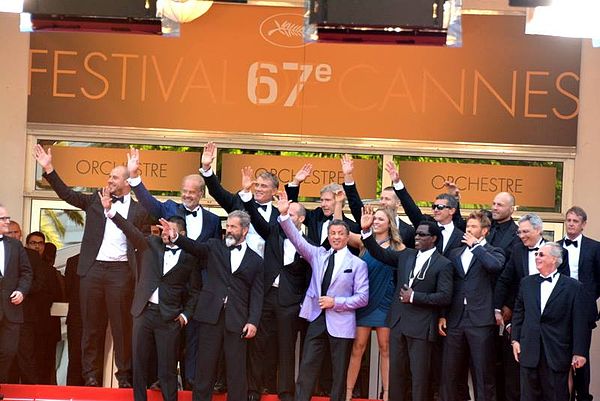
[(253, 397), (124, 383), (91, 382), (155, 386), (220, 388)]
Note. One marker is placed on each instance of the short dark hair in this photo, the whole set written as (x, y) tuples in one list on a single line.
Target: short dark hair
[(35, 234), (179, 221), (451, 200), (270, 177), (338, 222), (434, 229)]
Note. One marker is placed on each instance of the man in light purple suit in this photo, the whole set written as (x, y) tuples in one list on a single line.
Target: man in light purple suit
[(339, 285)]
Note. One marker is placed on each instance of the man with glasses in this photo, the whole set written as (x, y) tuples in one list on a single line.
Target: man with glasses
[(423, 287), (549, 331), (521, 264), (15, 282), (444, 209)]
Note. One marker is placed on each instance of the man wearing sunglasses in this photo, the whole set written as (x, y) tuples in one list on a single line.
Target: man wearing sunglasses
[(520, 264), (549, 331), (424, 286), (444, 212)]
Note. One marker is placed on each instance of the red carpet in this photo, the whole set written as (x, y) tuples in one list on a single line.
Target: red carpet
[(21, 392)]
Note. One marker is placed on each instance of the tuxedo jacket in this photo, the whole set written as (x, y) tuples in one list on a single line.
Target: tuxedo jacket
[(505, 238), (95, 222), (349, 285), (476, 285), (211, 224), (314, 225), (17, 276), (517, 267), (243, 289), (560, 332), (293, 278), (432, 290), (177, 289), (407, 232), (36, 304), (589, 273)]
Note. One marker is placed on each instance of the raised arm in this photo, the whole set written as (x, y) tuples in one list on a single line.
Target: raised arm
[(354, 201), (387, 256), (65, 193), (132, 233), (453, 190), (302, 246), (224, 198), (150, 203), (198, 249), (292, 189), (410, 207), (354, 240)]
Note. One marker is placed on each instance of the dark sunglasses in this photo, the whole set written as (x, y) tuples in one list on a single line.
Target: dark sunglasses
[(422, 234), (439, 207), (540, 254)]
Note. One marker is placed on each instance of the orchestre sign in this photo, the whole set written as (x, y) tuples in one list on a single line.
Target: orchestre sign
[(246, 69), (479, 183), (325, 171), (89, 167)]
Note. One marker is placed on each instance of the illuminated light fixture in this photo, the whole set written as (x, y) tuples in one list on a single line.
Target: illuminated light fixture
[(567, 18), (182, 11)]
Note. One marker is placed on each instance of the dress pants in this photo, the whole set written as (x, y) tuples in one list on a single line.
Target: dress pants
[(289, 325), (313, 353), (409, 367), (190, 356), (512, 387), (9, 343), (213, 338), (544, 384), (151, 331), (25, 366), (106, 290), (466, 343)]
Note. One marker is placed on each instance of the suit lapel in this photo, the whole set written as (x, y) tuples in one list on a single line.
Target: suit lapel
[(409, 267), (525, 258), (346, 262), (7, 251)]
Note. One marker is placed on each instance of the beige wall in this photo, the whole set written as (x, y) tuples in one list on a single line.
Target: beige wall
[(586, 191), (14, 48)]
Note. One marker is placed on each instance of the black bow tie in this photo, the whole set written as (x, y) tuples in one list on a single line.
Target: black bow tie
[(541, 279), (174, 250), (327, 218), (114, 199), (569, 242), (2, 238), (533, 249), (263, 207), (442, 228), (238, 247), (188, 212)]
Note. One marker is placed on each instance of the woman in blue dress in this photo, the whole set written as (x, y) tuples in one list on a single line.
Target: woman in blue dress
[(381, 290)]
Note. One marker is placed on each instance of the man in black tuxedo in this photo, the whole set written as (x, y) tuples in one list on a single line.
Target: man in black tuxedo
[(520, 264), (229, 305), (550, 334), (387, 199), (584, 266), (264, 188), (423, 288), (200, 226), (15, 282), (444, 209), (107, 265), (468, 324), (162, 304), (286, 278)]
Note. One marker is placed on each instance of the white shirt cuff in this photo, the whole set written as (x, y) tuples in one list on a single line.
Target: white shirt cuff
[(109, 213), (284, 217), (184, 318), (291, 184), (349, 183), (399, 185), (412, 296), (245, 196), (206, 173), (134, 182), (367, 234)]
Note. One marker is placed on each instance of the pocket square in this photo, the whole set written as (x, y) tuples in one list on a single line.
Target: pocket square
[(348, 271)]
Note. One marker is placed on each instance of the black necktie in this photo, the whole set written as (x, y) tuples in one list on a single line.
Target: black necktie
[(569, 242), (328, 273), (533, 249), (263, 207), (238, 247), (541, 279), (188, 212), (114, 199), (174, 250)]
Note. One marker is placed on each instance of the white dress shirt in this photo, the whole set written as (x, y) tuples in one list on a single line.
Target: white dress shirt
[(574, 252), (546, 289), (421, 265), (2, 255), (340, 255), (531, 260), (236, 256), (467, 257), (170, 260), (446, 233), (114, 242)]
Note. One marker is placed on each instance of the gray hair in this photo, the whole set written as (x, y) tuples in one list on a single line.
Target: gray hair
[(556, 251), (243, 216), (535, 220), (333, 188)]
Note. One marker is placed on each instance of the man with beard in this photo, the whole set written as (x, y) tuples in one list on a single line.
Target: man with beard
[(106, 267), (229, 304)]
